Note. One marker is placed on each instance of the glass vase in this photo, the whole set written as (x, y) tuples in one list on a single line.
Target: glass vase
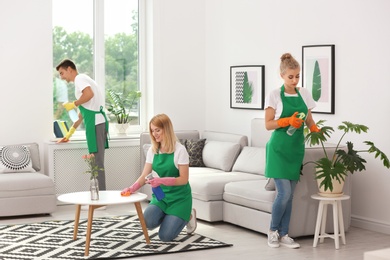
[(94, 188)]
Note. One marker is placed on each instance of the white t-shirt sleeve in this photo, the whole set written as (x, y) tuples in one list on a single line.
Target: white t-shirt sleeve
[(149, 156), (181, 155), (274, 101)]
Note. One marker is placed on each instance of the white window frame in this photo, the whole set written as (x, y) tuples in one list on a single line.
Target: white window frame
[(99, 64)]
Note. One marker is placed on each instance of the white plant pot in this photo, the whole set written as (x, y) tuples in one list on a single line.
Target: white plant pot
[(122, 128), (336, 192)]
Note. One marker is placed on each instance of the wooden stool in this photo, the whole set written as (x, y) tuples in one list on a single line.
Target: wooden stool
[(338, 221)]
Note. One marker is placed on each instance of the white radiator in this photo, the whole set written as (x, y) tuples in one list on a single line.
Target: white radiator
[(66, 167)]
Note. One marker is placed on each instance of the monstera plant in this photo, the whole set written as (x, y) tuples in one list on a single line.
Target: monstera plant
[(345, 159)]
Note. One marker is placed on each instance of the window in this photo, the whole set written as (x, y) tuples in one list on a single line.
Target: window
[(101, 37)]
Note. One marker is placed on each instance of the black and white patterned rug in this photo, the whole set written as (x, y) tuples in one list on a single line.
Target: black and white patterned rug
[(112, 238)]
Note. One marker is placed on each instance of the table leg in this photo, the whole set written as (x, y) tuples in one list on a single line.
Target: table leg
[(142, 221), (323, 222), (341, 222), (318, 223), (336, 224), (89, 229), (76, 222)]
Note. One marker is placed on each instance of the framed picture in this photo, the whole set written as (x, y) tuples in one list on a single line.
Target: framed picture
[(247, 87), (318, 76)]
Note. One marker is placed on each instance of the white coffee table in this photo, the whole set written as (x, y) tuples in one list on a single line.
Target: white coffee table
[(111, 197)]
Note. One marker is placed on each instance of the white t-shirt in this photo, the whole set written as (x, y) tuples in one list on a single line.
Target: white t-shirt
[(180, 155), (275, 101), (81, 82)]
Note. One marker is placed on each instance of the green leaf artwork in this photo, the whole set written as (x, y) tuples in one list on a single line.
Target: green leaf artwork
[(248, 89), (316, 90)]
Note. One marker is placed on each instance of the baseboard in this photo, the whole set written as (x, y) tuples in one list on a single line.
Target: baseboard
[(370, 224)]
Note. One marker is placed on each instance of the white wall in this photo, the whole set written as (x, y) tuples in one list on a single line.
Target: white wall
[(25, 71), (247, 32), (194, 43), (177, 62)]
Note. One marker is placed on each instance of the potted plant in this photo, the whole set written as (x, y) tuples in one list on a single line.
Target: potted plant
[(333, 168), (120, 105)]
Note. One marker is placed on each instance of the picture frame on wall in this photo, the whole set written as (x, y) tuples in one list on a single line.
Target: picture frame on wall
[(318, 76), (247, 87)]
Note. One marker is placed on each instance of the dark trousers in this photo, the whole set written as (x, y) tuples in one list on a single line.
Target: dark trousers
[(101, 137)]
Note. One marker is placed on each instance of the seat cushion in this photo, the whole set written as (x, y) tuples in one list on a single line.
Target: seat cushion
[(250, 194), (25, 184), (209, 186)]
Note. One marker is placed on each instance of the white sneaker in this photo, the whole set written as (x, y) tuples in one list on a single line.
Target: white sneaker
[(289, 242), (191, 225), (273, 238)]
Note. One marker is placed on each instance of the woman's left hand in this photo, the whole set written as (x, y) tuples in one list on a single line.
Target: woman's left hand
[(156, 181)]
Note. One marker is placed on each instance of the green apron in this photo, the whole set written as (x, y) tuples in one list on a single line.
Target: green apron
[(284, 153), (178, 199), (90, 130)]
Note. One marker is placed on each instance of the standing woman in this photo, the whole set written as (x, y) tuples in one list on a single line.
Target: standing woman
[(169, 159), (284, 152)]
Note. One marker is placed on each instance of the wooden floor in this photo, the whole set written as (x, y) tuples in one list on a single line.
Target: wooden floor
[(246, 244)]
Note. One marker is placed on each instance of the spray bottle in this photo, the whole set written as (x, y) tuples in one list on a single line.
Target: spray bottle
[(157, 191), (291, 130)]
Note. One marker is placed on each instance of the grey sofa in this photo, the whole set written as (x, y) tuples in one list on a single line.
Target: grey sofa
[(232, 186), (27, 193)]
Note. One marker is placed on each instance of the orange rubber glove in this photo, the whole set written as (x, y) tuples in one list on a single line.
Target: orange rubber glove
[(292, 120), (315, 129)]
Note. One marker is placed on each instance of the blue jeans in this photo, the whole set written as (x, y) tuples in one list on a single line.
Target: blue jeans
[(281, 209), (170, 226)]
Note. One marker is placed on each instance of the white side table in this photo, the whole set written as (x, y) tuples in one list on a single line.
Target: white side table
[(106, 197), (338, 221)]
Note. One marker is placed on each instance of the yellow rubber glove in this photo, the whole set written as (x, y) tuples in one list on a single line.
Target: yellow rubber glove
[(292, 120), (69, 134), (69, 106)]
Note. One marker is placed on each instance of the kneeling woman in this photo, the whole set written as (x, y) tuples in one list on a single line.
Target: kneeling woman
[(169, 159)]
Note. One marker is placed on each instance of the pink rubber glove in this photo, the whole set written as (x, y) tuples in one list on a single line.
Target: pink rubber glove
[(132, 189), (167, 181)]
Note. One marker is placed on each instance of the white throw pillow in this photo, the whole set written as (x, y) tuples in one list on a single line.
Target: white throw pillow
[(220, 155), (15, 158), (270, 185), (251, 160)]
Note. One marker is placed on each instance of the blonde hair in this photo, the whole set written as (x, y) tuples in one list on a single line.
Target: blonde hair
[(288, 62), (169, 141)]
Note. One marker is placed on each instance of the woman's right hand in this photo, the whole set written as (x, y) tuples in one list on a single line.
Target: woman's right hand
[(292, 120), (132, 189)]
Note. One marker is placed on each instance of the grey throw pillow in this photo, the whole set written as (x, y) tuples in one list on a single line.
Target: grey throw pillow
[(195, 151)]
